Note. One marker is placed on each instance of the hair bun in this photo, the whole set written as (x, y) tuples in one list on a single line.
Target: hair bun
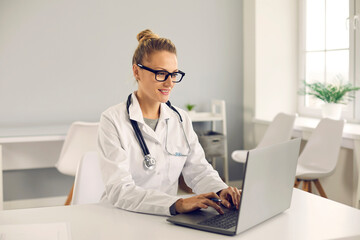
[(145, 35)]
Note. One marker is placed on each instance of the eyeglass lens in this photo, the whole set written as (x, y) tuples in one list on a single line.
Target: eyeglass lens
[(161, 76)]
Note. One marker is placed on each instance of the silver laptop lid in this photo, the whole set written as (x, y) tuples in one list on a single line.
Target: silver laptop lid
[(268, 183)]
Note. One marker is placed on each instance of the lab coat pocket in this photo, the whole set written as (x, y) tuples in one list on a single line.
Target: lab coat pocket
[(176, 164)]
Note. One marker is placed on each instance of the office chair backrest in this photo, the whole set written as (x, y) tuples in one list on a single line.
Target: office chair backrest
[(322, 149), (81, 138), (279, 130), (89, 185)]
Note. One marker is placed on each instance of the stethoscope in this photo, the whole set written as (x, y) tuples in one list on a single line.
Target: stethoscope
[(149, 161)]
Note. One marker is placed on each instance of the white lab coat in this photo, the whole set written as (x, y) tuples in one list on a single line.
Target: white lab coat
[(127, 184)]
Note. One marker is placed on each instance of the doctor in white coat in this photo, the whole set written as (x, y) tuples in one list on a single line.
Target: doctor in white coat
[(151, 187)]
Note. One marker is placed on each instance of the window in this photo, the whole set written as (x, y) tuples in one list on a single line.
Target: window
[(327, 45)]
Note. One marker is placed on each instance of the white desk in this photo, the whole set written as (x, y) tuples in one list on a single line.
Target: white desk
[(310, 217), (351, 139), (31, 134)]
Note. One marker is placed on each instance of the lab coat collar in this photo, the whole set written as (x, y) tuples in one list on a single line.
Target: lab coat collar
[(135, 112), (165, 112)]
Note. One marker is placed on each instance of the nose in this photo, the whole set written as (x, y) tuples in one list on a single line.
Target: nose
[(168, 81)]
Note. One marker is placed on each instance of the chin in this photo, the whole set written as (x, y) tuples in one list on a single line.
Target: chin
[(164, 101), (163, 98)]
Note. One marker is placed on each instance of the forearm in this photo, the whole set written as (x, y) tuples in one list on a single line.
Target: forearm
[(137, 199), (202, 178)]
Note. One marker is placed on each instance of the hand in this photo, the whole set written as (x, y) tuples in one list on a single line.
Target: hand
[(190, 204), (230, 193)]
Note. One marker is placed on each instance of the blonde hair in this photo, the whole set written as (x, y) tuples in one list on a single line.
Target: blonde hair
[(150, 42)]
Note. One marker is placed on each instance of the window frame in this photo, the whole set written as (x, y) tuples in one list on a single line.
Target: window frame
[(352, 112), (356, 56)]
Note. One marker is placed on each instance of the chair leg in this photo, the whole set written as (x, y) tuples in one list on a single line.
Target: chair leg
[(305, 186), (297, 182), (319, 188), (309, 186), (69, 198)]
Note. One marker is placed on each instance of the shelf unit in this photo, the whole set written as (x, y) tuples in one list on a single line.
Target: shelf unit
[(11, 137), (218, 113)]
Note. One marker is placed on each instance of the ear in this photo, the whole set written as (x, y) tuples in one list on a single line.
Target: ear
[(136, 72)]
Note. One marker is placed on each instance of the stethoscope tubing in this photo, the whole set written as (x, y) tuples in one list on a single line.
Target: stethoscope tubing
[(137, 131), (150, 162)]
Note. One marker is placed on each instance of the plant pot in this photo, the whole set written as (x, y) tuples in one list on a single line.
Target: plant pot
[(192, 112), (331, 110)]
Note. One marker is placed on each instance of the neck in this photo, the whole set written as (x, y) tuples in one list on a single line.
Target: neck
[(149, 109)]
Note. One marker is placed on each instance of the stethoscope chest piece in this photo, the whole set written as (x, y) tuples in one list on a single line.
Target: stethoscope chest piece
[(149, 162)]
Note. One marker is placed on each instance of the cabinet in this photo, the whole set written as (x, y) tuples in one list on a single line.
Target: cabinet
[(218, 113)]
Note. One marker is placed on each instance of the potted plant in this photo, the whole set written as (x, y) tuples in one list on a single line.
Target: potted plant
[(333, 96), (190, 108)]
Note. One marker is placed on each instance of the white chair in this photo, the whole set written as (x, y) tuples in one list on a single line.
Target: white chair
[(279, 130), (89, 185), (320, 154), (81, 138)]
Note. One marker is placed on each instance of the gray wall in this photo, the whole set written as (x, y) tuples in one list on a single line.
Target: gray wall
[(63, 61)]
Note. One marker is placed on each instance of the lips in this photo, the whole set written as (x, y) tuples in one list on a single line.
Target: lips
[(164, 91)]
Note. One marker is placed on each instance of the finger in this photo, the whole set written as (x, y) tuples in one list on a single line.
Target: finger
[(210, 195), (233, 196), (238, 194), (201, 205), (225, 202), (214, 205), (236, 197), (225, 197)]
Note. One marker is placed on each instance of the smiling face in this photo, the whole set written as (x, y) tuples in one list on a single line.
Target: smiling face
[(151, 91)]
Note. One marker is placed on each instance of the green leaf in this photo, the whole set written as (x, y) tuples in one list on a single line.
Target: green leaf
[(330, 93)]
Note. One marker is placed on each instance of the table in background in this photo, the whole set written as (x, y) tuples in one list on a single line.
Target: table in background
[(309, 217), (31, 134)]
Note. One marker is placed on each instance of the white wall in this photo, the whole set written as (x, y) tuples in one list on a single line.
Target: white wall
[(69, 60), (276, 56), (270, 61), (249, 72)]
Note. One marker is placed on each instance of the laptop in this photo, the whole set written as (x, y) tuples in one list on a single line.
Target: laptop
[(266, 192)]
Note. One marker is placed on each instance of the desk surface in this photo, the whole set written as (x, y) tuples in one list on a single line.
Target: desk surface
[(14, 134), (33, 133), (310, 217), (351, 130)]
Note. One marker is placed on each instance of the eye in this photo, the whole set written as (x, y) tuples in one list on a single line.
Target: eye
[(175, 75), (162, 74)]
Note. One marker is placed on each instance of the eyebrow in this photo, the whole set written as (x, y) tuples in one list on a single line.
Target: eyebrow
[(163, 69)]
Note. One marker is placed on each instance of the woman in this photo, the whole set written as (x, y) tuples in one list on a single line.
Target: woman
[(150, 186)]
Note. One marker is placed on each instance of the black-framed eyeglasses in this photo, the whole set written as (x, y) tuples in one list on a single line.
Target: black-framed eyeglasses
[(162, 75)]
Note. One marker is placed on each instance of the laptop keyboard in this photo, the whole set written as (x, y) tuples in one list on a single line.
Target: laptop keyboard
[(224, 221)]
